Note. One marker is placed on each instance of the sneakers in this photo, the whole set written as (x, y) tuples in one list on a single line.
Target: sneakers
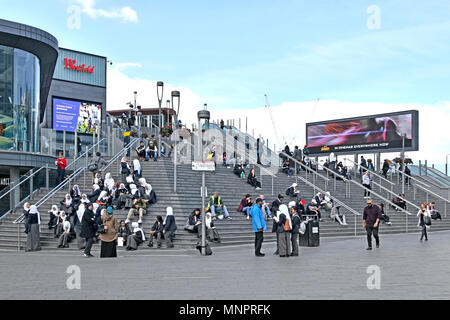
[(260, 254), (140, 221), (369, 248), (248, 217), (228, 218), (88, 255)]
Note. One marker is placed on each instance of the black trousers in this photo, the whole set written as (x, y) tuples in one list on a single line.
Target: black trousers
[(60, 173), (89, 243), (424, 232), (372, 230), (367, 192), (259, 238)]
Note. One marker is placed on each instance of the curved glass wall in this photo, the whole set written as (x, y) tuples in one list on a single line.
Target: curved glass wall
[(19, 100)]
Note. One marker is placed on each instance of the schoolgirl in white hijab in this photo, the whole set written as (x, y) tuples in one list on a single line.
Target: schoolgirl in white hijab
[(136, 229), (98, 179), (137, 167), (84, 198), (54, 211), (34, 210), (67, 200), (133, 189), (109, 181), (148, 188), (95, 187), (81, 209), (283, 210), (169, 211), (76, 191)]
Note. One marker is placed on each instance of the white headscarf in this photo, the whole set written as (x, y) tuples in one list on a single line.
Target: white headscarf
[(136, 229), (148, 187), (136, 165), (208, 220), (102, 195), (25, 207), (80, 211), (84, 198), (34, 210), (125, 161), (68, 202), (63, 216), (133, 189), (109, 181), (54, 210), (66, 226), (96, 187), (130, 179), (292, 204), (77, 190), (284, 210), (169, 211)]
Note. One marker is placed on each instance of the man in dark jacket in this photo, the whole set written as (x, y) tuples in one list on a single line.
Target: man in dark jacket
[(371, 220), (385, 168), (157, 232), (88, 229)]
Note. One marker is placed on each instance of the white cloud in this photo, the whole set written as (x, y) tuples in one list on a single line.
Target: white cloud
[(126, 13), (121, 88), (289, 117)]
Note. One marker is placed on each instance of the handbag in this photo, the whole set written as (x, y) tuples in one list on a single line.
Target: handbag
[(427, 220), (101, 229)]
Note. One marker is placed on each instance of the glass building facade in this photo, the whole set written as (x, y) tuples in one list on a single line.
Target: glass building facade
[(19, 100)]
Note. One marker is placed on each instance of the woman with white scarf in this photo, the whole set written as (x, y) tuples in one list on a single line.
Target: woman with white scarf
[(95, 193), (81, 242), (67, 205), (135, 239), (33, 237), (109, 181), (211, 231), (137, 170), (284, 227), (62, 217), (125, 169), (54, 214), (75, 193), (170, 227)]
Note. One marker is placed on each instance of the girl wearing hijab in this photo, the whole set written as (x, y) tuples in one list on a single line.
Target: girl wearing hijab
[(95, 193), (121, 196), (284, 227), (293, 191), (54, 214), (170, 227), (135, 239), (34, 221), (109, 239), (75, 193), (109, 181), (78, 222), (62, 217), (98, 180), (129, 182), (137, 170), (123, 232), (26, 209), (67, 205), (211, 230), (157, 232), (88, 230), (64, 236), (125, 170)]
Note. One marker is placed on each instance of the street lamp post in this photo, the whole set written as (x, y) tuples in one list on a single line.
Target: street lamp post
[(176, 97), (168, 112), (446, 164), (160, 91), (403, 163)]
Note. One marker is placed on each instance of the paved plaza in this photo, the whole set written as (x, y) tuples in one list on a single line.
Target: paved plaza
[(336, 270)]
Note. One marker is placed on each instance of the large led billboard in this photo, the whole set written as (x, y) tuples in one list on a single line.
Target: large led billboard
[(376, 133), (71, 116)]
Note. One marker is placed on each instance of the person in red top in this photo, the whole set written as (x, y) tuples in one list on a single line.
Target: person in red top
[(61, 164)]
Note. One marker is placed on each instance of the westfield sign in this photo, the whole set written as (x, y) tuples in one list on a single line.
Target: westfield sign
[(71, 64)]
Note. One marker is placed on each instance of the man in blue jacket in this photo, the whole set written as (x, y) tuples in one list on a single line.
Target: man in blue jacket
[(259, 226)]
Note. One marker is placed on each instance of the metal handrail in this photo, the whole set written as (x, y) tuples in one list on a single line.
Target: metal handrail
[(334, 173), (86, 152), (439, 174), (372, 172), (411, 177), (380, 196), (305, 167), (393, 193), (120, 154), (433, 193), (331, 196), (18, 185)]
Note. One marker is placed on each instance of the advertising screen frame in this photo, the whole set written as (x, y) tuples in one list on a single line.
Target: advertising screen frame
[(75, 100), (414, 143)]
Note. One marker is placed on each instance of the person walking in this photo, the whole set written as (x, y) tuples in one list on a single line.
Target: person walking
[(88, 229), (259, 226), (371, 220), (424, 220), (109, 238), (61, 164), (366, 184), (33, 221)]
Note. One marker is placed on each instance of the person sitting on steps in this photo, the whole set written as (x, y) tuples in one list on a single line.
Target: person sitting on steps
[(215, 205)]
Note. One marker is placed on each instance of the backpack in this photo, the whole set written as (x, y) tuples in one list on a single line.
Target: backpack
[(93, 166), (286, 226)]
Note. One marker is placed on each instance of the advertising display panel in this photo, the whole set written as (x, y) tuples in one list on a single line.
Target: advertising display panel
[(71, 116)]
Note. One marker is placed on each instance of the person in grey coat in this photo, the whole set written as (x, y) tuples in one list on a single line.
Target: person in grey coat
[(101, 163), (284, 227), (170, 227)]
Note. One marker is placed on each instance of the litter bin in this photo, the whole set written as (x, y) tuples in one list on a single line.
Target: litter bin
[(311, 238)]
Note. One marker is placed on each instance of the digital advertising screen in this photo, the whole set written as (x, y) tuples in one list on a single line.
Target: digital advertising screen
[(377, 133), (71, 116)]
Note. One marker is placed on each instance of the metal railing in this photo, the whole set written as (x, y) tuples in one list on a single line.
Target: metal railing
[(336, 201), (400, 174), (83, 155), (372, 173)]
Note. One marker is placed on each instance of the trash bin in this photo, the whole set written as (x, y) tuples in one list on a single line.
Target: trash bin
[(311, 238)]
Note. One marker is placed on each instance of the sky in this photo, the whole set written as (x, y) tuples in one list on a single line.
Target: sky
[(357, 57)]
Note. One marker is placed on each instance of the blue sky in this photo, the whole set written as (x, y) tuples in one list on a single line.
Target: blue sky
[(232, 52)]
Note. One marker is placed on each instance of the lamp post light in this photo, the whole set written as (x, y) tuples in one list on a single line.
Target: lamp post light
[(168, 112), (175, 100), (446, 164), (160, 92)]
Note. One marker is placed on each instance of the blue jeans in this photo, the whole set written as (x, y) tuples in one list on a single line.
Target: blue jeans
[(267, 211), (225, 211), (246, 210)]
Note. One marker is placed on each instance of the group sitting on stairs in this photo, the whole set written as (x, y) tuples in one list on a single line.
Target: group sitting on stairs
[(149, 151)]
